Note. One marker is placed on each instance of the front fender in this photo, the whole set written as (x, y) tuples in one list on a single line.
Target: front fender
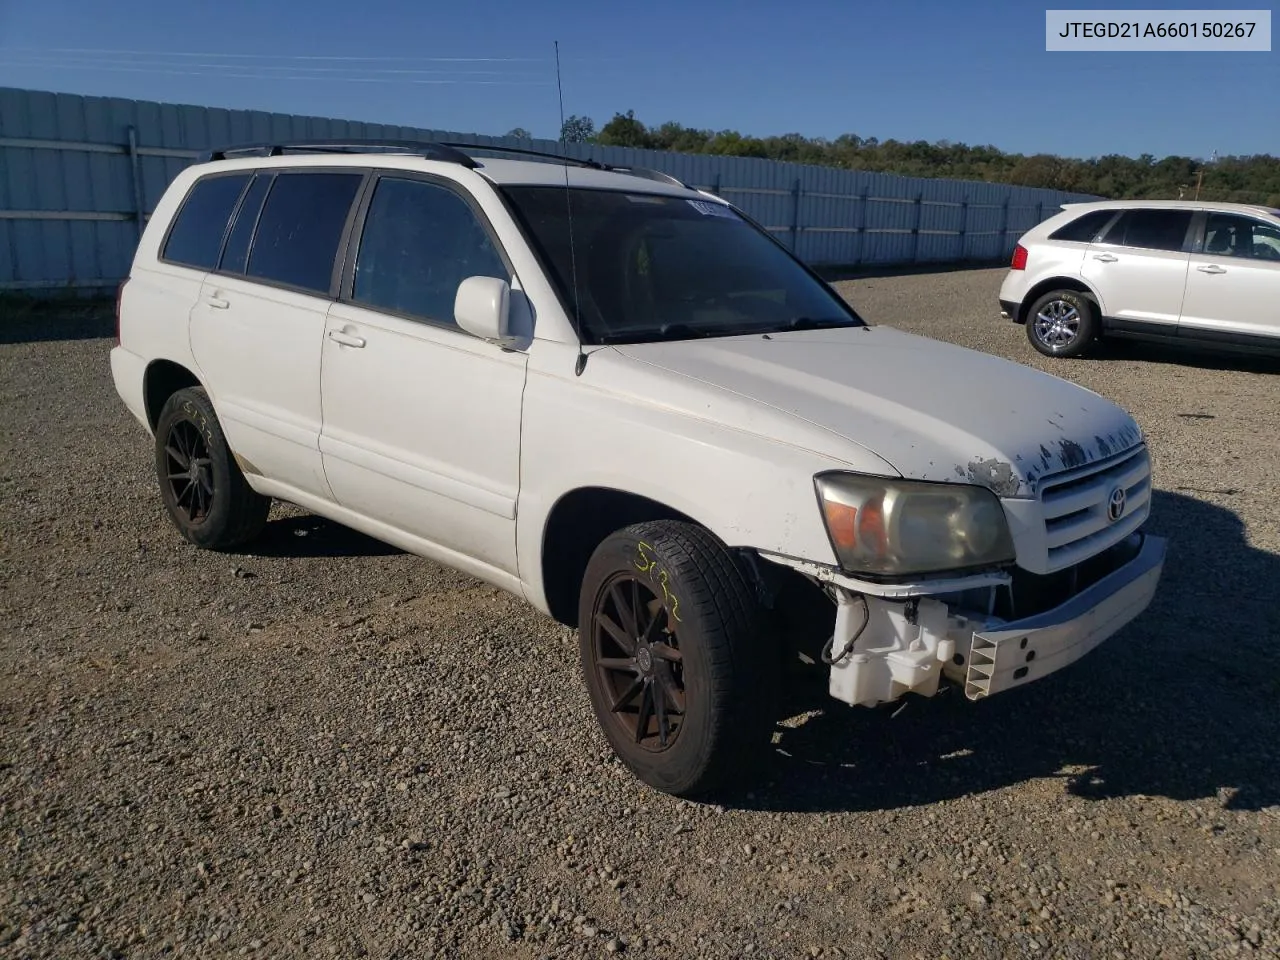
[(748, 489)]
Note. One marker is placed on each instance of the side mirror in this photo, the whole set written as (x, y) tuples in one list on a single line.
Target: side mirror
[(482, 307)]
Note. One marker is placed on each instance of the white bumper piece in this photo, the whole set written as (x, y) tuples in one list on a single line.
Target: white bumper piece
[(908, 647)]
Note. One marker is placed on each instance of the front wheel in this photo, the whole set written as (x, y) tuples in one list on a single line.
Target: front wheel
[(669, 635), (1062, 323)]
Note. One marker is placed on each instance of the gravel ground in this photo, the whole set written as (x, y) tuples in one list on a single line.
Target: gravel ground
[(324, 747)]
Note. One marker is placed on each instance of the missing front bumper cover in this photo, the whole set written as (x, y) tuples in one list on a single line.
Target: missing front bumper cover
[(894, 653)]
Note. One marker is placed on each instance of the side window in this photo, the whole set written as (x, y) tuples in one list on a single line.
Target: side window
[(196, 235), (420, 241), (1083, 229), (1229, 235), (236, 252), (300, 228), (1150, 229)]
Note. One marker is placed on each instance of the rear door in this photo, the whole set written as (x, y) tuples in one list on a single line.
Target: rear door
[(163, 292), (1139, 268), (1233, 287), (258, 326)]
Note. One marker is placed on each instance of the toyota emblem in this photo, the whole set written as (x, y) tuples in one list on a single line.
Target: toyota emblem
[(1115, 505)]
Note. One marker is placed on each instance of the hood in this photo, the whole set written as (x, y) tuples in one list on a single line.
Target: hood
[(932, 410)]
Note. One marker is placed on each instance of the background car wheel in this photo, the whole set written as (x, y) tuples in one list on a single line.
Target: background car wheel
[(204, 491), (1062, 323), (669, 631)]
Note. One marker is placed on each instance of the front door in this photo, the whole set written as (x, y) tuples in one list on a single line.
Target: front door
[(1233, 287), (421, 419)]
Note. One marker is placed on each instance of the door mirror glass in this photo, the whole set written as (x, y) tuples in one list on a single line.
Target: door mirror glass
[(482, 307)]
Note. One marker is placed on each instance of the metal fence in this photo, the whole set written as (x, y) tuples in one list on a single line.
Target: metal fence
[(80, 175)]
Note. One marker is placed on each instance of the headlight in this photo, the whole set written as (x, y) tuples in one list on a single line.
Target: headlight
[(884, 527)]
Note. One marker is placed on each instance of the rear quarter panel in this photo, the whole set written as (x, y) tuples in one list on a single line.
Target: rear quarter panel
[(155, 307)]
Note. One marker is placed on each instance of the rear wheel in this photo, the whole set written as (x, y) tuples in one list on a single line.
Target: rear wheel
[(670, 644), (1062, 323), (203, 488)]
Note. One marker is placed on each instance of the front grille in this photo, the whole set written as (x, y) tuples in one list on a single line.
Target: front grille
[(1076, 503)]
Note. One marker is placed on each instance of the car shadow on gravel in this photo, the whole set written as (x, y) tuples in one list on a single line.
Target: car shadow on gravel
[(312, 536), (1184, 355), (1182, 704)]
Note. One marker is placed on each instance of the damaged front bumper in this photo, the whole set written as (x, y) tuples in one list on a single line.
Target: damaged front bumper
[(884, 647), (1008, 655)]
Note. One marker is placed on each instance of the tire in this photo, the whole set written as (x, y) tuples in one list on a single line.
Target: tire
[(706, 681), (202, 486), (1062, 323)]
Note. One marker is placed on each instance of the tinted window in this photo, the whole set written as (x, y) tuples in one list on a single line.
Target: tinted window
[(1228, 235), (300, 228), (196, 236), (1083, 229), (1150, 229), (420, 241), (236, 251), (639, 266)]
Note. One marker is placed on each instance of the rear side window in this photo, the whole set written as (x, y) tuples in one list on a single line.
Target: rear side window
[(1150, 229), (1083, 229), (196, 236), (420, 241), (300, 228), (236, 251)]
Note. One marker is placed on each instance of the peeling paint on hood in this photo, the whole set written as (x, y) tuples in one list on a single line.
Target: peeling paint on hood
[(932, 410)]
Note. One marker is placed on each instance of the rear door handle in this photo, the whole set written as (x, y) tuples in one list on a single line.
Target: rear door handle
[(1105, 257), (346, 339), (218, 303), (1211, 268)]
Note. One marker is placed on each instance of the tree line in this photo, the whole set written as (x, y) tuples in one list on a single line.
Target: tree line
[(1242, 179)]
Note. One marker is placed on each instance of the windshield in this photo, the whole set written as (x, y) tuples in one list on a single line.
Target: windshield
[(657, 267)]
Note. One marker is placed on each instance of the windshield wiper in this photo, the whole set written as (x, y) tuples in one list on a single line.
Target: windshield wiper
[(817, 323), (669, 331)]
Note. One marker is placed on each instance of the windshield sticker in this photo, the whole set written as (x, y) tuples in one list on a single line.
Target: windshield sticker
[(710, 209)]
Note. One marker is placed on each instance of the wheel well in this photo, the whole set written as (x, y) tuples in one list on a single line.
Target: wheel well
[(164, 378), (578, 523), (1054, 283)]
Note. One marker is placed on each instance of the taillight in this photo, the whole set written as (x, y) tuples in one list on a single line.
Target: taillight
[(119, 297), (1019, 261)]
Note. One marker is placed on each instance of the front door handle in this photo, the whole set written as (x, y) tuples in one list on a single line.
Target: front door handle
[(346, 339), (1106, 257), (218, 303), (1211, 268)]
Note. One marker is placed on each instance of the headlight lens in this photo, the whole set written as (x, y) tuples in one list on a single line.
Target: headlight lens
[(884, 527)]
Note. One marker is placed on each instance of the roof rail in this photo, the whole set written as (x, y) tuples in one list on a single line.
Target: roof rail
[(421, 148), (644, 172)]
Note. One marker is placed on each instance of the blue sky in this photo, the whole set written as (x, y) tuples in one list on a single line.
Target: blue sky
[(911, 70)]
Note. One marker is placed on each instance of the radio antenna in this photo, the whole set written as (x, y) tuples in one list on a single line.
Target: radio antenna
[(581, 362)]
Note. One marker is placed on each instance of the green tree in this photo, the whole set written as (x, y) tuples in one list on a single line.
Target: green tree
[(624, 130), (520, 133), (1253, 179), (578, 130)]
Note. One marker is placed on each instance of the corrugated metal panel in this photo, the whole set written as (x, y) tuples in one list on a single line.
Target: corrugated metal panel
[(828, 215)]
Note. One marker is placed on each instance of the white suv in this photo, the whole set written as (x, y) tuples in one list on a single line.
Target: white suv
[(619, 398), (1207, 274)]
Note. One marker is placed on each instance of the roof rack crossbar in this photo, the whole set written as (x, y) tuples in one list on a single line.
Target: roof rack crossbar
[(523, 152), (422, 148), (644, 172)]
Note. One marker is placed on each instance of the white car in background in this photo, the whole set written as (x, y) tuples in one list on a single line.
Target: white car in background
[(1206, 274)]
